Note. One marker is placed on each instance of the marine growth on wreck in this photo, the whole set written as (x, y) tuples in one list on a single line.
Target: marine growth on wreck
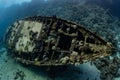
[(45, 41)]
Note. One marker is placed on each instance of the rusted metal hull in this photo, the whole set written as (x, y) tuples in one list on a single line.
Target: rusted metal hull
[(45, 41)]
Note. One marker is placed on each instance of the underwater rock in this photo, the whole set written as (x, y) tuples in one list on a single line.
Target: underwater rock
[(19, 75), (108, 67)]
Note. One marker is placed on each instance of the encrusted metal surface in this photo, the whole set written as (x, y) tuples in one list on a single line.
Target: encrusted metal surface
[(44, 41)]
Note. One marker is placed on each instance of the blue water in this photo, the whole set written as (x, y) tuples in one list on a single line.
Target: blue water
[(95, 11), (50, 7)]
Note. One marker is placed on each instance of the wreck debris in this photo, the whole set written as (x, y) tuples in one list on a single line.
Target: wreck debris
[(53, 41)]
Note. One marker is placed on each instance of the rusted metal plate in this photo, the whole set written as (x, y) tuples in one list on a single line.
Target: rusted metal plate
[(44, 41)]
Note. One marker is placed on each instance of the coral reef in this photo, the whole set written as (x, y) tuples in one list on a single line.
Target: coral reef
[(109, 68), (93, 17)]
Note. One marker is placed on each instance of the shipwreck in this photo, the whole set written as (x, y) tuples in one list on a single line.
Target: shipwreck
[(46, 41)]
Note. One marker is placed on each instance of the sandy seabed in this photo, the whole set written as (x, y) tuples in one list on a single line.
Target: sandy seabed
[(13, 70)]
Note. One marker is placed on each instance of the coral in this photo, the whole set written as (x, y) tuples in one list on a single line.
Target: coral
[(109, 68), (94, 17)]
